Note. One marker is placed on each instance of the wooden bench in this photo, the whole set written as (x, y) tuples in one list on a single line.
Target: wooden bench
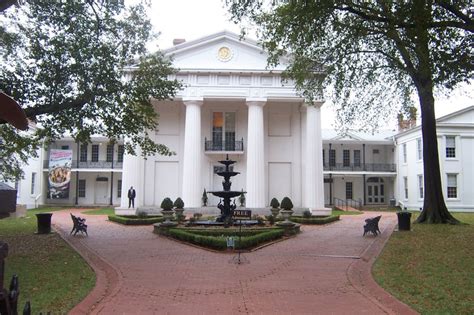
[(79, 225), (372, 226)]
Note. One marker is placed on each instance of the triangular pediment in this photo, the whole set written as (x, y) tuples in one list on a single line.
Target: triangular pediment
[(347, 137), (463, 116), (224, 51)]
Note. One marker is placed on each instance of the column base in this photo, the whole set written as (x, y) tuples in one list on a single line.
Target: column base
[(321, 212)]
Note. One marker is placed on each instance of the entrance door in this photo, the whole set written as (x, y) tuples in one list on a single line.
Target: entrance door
[(223, 131), (101, 192), (375, 190)]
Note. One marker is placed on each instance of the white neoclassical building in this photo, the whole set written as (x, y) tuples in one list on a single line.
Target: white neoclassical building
[(231, 104)]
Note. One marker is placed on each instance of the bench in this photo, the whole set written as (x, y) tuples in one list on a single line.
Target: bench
[(372, 226), (79, 225)]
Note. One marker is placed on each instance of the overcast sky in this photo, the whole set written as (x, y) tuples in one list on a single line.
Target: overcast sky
[(191, 19)]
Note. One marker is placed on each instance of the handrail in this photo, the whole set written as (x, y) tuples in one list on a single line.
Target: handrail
[(345, 203), (228, 145), (368, 167)]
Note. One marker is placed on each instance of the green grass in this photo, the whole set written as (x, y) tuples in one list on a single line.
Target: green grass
[(135, 220), (101, 211), (431, 267), (52, 276), (340, 212)]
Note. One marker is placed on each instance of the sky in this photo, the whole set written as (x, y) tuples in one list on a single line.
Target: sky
[(191, 19)]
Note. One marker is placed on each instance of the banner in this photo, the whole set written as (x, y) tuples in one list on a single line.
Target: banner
[(59, 175)]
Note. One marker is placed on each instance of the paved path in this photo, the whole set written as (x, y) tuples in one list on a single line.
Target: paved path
[(324, 270)]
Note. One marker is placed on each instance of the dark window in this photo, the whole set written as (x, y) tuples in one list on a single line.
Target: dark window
[(110, 152), (405, 186), (452, 186), (324, 161), (81, 191), (95, 153), (332, 157), (346, 158), (119, 188), (64, 147), (450, 147), (120, 152), (83, 153), (375, 151), (348, 190), (357, 158), (33, 183)]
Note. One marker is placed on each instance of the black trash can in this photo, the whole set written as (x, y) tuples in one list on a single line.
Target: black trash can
[(404, 221), (44, 222)]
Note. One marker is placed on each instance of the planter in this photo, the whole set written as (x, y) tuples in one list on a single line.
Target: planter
[(44, 223), (167, 215), (286, 214), (179, 212), (275, 211)]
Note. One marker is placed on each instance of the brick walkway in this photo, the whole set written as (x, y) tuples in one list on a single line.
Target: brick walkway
[(324, 270)]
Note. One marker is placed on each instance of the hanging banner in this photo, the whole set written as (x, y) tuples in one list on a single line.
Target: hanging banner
[(59, 175)]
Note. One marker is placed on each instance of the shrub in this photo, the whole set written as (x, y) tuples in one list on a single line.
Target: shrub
[(135, 220), (204, 198), (274, 203), (271, 219), (178, 203), (315, 220), (307, 214), (167, 204), (142, 214), (197, 216), (286, 203)]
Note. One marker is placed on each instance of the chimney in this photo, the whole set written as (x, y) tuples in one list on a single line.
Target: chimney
[(178, 41), (405, 124)]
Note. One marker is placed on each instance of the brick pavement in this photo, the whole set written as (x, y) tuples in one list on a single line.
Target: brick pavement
[(324, 270)]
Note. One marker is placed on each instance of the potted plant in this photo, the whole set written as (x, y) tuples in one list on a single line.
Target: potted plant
[(167, 206), (242, 199), (204, 198), (287, 207), (178, 208), (275, 207)]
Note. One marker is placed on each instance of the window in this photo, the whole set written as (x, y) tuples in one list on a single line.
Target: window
[(452, 186), (450, 147), (420, 187), (405, 186), (83, 153), (120, 152), (110, 152), (332, 157), (95, 153), (419, 149), (375, 151), (81, 191), (64, 147), (404, 150), (324, 161), (119, 188), (348, 190), (346, 158), (33, 183), (357, 158), (223, 131)]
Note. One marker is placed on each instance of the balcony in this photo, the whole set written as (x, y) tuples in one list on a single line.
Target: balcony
[(236, 146), (368, 167), (101, 164)]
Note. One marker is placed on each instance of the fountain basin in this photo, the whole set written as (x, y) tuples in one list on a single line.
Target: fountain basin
[(226, 194)]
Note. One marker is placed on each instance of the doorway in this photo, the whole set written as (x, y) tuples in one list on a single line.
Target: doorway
[(375, 190)]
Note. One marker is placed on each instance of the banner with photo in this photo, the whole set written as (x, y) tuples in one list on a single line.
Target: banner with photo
[(59, 175)]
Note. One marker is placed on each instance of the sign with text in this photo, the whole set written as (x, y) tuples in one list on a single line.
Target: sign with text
[(59, 175), (237, 214)]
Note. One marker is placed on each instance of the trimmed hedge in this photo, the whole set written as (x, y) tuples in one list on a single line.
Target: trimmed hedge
[(135, 220), (228, 232), (315, 220), (220, 242)]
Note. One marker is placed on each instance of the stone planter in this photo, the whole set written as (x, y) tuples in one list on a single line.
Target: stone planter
[(167, 215), (275, 211), (286, 214)]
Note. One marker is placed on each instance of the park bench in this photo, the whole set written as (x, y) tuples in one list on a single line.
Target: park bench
[(79, 225), (372, 225)]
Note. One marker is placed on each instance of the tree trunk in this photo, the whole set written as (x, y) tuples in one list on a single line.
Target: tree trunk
[(434, 207)]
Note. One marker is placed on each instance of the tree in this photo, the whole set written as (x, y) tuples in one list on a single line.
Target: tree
[(80, 68), (375, 54)]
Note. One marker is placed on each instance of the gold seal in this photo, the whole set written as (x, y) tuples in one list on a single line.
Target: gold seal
[(224, 54)]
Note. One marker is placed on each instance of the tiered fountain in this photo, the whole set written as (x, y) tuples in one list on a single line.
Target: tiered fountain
[(226, 208)]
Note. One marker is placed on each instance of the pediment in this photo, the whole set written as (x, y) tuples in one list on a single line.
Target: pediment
[(347, 137), (223, 51), (463, 116)]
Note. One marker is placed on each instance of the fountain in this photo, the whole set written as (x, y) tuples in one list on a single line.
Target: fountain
[(226, 208)]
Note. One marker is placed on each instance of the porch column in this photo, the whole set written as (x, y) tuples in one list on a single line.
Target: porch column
[(192, 183), (132, 175), (255, 197), (314, 179)]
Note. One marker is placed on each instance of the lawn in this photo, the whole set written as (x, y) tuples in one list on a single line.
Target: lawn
[(101, 211), (340, 212), (431, 267), (52, 276)]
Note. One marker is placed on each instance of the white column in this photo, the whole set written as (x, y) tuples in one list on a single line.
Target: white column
[(255, 197), (132, 175), (314, 178), (192, 183)]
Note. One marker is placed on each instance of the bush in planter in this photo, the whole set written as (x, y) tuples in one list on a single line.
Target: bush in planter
[(167, 204), (307, 214), (286, 204), (204, 198), (178, 203), (274, 203)]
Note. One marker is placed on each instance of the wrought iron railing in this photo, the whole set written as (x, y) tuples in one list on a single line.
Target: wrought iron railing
[(345, 203), (236, 145), (91, 164), (368, 167)]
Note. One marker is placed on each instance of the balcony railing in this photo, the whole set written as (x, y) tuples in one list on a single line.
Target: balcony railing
[(90, 164), (368, 167), (236, 145)]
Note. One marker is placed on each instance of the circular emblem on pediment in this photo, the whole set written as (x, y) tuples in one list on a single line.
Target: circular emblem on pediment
[(224, 54)]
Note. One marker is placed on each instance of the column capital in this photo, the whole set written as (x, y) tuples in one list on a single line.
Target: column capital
[(255, 101), (193, 101)]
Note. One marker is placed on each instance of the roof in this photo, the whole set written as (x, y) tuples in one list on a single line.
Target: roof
[(4, 186)]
